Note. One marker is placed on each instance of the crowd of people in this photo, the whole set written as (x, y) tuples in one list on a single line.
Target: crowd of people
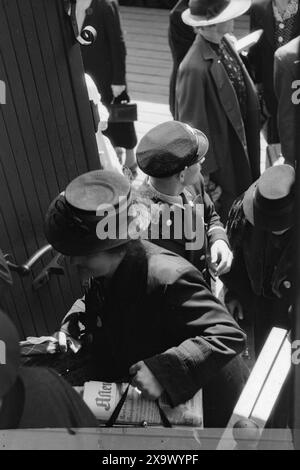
[(204, 211)]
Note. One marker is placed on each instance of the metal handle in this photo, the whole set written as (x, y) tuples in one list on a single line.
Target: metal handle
[(24, 269)]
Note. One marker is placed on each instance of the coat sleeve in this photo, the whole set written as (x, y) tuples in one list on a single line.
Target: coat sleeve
[(191, 88), (210, 338), (255, 52), (112, 24), (215, 228), (283, 79)]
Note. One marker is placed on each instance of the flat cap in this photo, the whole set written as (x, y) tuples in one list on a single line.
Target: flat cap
[(169, 148)]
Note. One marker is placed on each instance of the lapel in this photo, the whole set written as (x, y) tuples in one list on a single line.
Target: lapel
[(225, 90), (268, 21)]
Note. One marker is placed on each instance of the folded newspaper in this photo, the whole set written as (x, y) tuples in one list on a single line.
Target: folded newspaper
[(102, 399)]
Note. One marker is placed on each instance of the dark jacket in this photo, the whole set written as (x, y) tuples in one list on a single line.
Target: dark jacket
[(105, 60), (261, 274), (287, 70), (261, 55), (207, 101), (41, 399), (158, 308), (181, 37), (205, 222)]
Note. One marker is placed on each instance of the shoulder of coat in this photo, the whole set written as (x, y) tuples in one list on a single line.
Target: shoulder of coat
[(165, 268)]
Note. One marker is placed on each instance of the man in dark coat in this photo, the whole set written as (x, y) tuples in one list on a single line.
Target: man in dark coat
[(172, 155), (181, 37), (149, 313), (279, 28), (105, 62), (287, 67), (210, 97), (260, 229)]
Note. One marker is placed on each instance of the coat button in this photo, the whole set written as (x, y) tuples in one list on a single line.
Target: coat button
[(287, 284)]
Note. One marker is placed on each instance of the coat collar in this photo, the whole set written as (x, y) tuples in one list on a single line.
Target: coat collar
[(225, 89)]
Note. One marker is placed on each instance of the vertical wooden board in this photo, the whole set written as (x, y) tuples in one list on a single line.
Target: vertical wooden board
[(85, 118), (49, 53), (17, 165), (36, 93), (20, 136), (69, 126), (42, 145), (38, 99), (21, 313), (9, 300)]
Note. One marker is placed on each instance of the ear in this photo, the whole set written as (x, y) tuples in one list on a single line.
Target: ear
[(181, 176)]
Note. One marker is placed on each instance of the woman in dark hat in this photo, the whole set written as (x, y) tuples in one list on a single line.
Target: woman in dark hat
[(216, 94), (260, 230), (149, 313)]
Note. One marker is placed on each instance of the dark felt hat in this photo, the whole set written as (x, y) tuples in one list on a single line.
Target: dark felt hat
[(9, 354), (169, 148), (269, 202), (210, 12), (73, 218)]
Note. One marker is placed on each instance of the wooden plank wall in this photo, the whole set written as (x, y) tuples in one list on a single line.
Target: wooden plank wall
[(46, 139)]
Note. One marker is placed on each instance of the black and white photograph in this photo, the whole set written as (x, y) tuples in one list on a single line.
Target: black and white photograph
[(149, 227)]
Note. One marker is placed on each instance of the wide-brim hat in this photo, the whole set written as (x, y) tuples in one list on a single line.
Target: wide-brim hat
[(269, 203), (169, 148), (211, 12), (9, 354), (92, 215)]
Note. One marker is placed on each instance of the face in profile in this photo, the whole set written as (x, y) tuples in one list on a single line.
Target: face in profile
[(225, 28), (192, 174), (97, 265)]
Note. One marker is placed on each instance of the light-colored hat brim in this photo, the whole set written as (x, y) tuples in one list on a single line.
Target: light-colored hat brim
[(235, 9)]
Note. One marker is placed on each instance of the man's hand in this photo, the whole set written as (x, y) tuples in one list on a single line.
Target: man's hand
[(236, 309), (67, 343), (118, 90), (145, 381), (221, 258)]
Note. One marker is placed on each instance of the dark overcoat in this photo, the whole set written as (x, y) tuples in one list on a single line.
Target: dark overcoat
[(181, 37), (261, 55), (105, 60), (158, 309), (207, 101), (285, 74), (261, 277)]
